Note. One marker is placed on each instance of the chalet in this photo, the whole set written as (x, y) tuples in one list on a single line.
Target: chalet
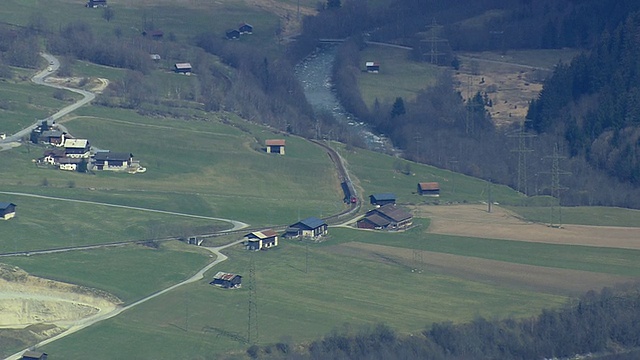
[(70, 164), (382, 199), (232, 34), (7, 210), (372, 67), (52, 156), (309, 227), (32, 355), (182, 68), (76, 148), (227, 280), (387, 217), (259, 240), (275, 146), (53, 137), (154, 34), (114, 161), (429, 189), (96, 3), (245, 28)]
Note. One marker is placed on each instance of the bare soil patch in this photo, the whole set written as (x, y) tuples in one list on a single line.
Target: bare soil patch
[(509, 86), (528, 277), (27, 300), (475, 221)]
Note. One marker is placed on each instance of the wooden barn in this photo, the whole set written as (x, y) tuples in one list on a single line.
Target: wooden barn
[(275, 146), (245, 28), (96, 3), (7, 210), (182, 68), (309, 227), (429, 189), (227, 280), (232, 34), (372, 67), (259, 240), (382, 199), (387, 217)]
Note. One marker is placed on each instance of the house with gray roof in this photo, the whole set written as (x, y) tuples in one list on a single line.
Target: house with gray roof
[(387, 217), (382, 199), (7, 210), (309, 227)]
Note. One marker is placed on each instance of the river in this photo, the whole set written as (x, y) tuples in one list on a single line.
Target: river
[(314, 72)]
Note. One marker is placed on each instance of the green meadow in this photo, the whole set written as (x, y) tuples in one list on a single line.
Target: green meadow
[(297, 300), (398, 77)]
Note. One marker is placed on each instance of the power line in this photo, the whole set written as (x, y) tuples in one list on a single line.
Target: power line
[(434, 39), (252, 326), (522, 151), (556, 188)]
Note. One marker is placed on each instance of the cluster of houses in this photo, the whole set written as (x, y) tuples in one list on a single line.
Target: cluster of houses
[(73, 154), (243, 29)]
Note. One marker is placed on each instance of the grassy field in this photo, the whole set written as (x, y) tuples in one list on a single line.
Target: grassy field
[(377, 173), (398, 77), (129, 272), (199, 320)]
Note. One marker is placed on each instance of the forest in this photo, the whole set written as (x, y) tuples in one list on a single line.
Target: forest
[(578, 118)]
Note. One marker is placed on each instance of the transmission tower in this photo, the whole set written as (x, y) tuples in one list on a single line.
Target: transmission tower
[(418, 261), (556, 188), (252, 326), (433, 38), (471, 106), (522, 151)]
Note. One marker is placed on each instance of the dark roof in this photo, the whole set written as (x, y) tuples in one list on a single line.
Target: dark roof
[(5, 205), (310, 223), (377, 220), (54, 153), (52, 133), (429, 186), (394, 213), (112, 156), (384, 196), (69, 160), (33, 355)]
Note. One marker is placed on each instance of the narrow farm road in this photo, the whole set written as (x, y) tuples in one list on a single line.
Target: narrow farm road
[(84, 323), (237, 225), (13, 140)]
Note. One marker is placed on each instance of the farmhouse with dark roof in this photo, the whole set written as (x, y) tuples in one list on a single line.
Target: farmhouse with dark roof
[(309, 227), (182, 68), (115, 161), (387, 217)]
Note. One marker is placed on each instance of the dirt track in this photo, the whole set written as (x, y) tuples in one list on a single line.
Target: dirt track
[(475, 221)]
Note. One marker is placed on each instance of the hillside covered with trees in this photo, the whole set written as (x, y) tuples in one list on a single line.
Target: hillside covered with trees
[(595, 136)]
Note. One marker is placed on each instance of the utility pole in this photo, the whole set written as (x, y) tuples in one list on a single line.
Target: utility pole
[(556, 188), (433, 38), (452, 166), (522, 151), (489, 197), (252, 326)]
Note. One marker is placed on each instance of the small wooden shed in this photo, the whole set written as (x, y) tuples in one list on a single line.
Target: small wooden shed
[(275, 146), (429, 189), (227, 280)]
